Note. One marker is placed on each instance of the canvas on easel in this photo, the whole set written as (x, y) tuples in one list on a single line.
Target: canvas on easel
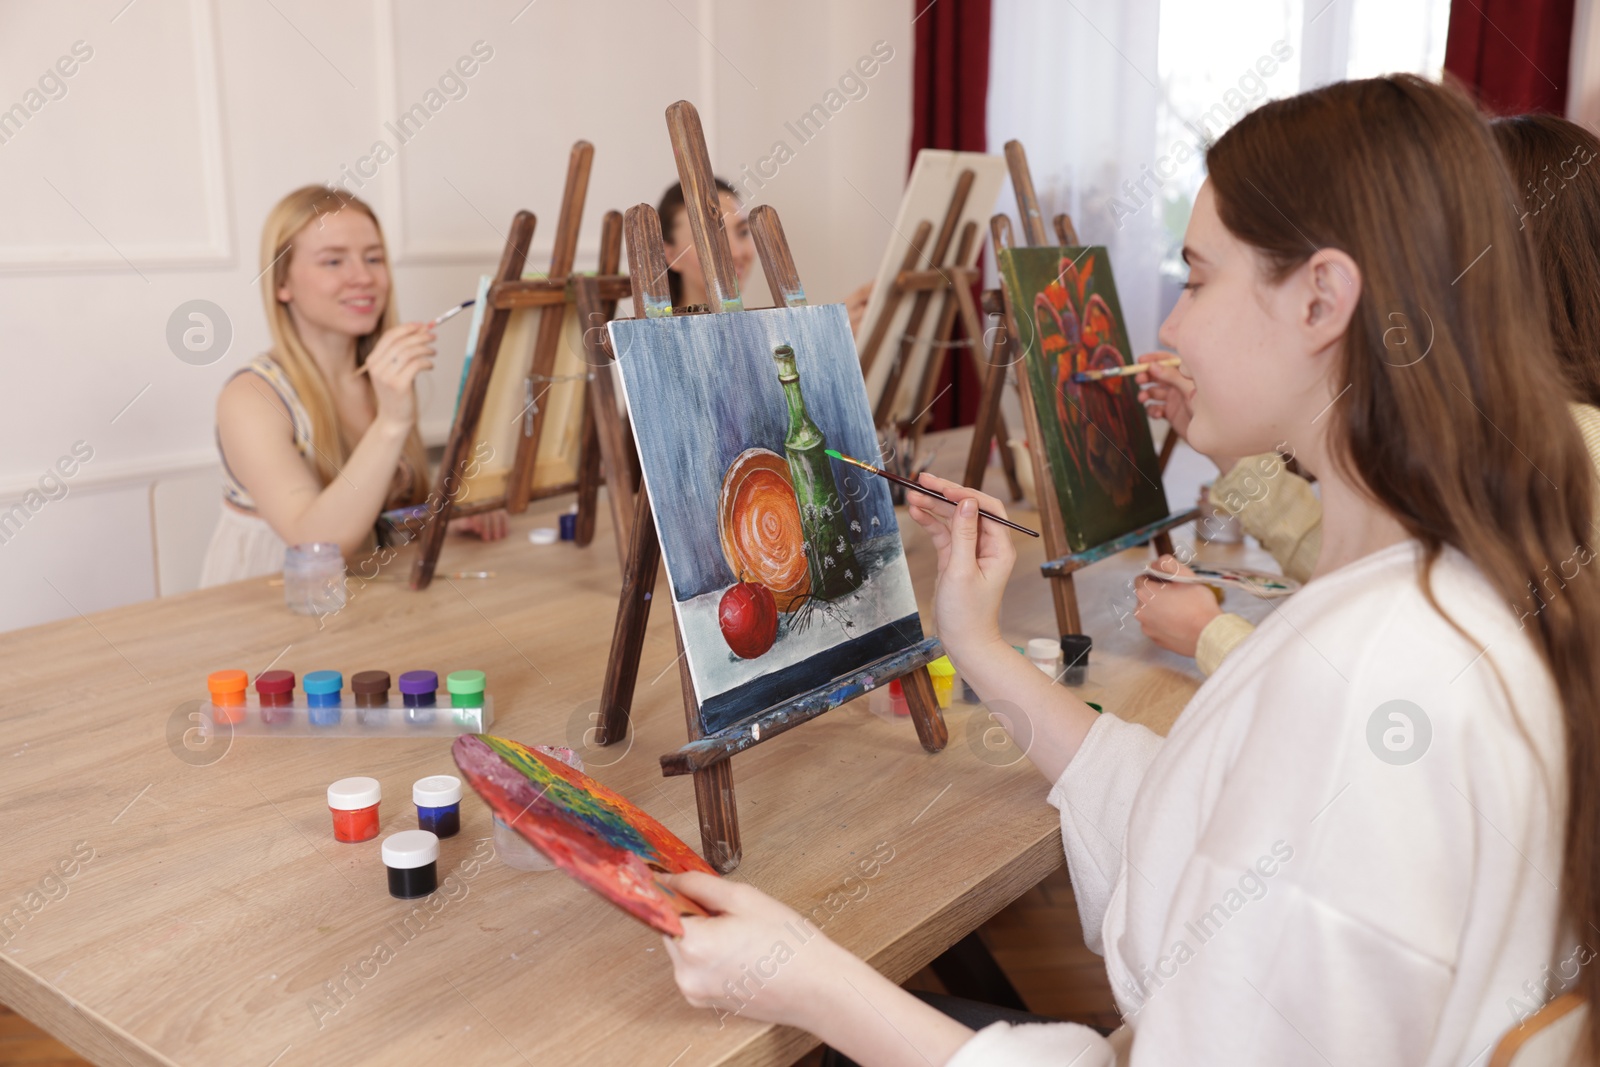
[(1097, 473), (740, 501), (539, 397), (1097, 435), (786, 566), (509, 408), (899, 334)]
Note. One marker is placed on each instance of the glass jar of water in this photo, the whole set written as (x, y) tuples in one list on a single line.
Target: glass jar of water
[(313, 578)]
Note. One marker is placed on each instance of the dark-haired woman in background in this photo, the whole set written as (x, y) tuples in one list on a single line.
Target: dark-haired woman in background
[(683, 259)]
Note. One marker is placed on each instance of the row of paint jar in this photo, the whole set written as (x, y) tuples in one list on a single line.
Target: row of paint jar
[(410, 856), (324, 692)]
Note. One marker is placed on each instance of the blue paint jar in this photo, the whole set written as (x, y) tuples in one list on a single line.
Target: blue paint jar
[(438, 801), (322, 689)]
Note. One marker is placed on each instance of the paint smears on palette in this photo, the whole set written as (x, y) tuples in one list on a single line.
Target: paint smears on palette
[(1263, 584), (587, 830)]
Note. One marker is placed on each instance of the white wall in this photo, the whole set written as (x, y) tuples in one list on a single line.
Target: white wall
[(140, 182)]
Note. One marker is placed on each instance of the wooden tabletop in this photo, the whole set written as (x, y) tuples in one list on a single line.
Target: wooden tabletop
[(160, 905)]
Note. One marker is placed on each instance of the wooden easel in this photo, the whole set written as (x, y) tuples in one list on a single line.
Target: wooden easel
[(508, 292), (707, 757), (955, 284), (1063, 562)]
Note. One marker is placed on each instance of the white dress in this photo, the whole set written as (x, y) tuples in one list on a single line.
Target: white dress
[(244, 545), (1272, 884)]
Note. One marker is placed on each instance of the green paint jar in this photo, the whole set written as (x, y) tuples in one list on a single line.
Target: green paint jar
[(466, 689)]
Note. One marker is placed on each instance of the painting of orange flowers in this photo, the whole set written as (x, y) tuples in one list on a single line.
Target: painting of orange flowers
[(1096, 434)]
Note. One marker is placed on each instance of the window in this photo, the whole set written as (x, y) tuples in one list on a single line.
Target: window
[(1115, 100)]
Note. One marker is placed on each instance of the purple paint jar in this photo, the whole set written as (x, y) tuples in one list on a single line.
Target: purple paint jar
[(419, 691)]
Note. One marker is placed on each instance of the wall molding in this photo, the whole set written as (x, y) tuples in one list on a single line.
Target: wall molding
[(128, 474), (217, 251)]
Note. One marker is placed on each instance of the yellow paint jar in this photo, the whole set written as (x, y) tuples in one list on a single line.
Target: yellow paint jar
[(943, 673)]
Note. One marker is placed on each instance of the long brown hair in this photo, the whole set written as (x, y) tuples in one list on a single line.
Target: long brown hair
[(287, 218), (1471, 445), (1555, 168)]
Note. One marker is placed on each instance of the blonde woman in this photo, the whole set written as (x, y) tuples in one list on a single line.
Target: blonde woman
[(313, 448)]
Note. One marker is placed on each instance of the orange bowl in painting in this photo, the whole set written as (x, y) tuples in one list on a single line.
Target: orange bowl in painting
[(758, 522)]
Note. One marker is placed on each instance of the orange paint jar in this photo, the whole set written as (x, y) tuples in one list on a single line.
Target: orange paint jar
[(227, 695)]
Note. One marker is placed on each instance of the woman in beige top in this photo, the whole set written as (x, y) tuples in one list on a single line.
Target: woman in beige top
[(319, 435), (1550, 161)]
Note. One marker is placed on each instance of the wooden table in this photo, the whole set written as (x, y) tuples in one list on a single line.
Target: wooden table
[(211, 918)]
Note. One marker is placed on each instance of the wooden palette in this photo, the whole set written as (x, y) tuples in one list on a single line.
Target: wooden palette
[(587, 830)]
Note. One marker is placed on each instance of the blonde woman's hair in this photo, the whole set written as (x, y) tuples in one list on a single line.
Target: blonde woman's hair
[(288, 218)]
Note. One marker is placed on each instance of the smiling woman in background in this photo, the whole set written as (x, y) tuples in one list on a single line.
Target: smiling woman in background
[(319, 435)]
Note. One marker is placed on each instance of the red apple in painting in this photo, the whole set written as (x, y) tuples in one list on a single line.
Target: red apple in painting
[(748, 615)]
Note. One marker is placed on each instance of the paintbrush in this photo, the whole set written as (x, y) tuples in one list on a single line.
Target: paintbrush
[(446, 317), (453, 312), (1123, 372), (909, 484)]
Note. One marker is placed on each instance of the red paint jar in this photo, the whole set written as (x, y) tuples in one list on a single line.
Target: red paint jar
[(227, 695), (354, 804), (275, 690)]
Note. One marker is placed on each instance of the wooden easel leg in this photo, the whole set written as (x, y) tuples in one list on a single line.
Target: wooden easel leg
[(455, 461), (873, 346), (1065, 595), (1168, 446), (713, 786), (1008, 462), (983, 428), (547, 339), (588, 476), (610, 428), (633, 615), (933, 370), (1163, 540), (719, 817), (991, 423), (925, 713), (906, 343)]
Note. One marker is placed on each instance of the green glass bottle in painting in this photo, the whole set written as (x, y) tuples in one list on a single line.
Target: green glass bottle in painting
[(831, 557)]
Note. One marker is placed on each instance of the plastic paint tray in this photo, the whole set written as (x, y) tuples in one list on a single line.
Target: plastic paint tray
[(394, 719)]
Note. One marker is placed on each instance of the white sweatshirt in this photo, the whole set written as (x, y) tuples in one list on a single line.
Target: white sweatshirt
[(1267, 890)]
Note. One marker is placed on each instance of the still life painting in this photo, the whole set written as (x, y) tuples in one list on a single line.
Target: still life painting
[(1096, 434), (786, 566), (589, 831)]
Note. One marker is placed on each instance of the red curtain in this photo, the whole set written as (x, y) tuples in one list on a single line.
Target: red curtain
[(1512, 54), (950, 99)]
